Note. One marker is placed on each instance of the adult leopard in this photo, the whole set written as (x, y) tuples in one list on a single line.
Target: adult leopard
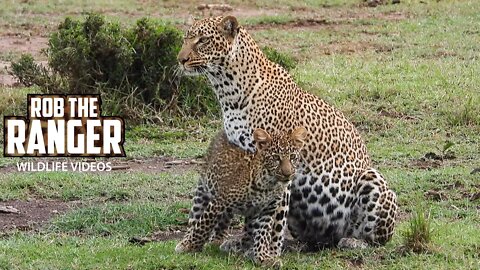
[(337, 198)]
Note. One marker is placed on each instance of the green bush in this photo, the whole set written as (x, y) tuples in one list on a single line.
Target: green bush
[(26, 70), (30, 73), (134, 69), (90, 54)]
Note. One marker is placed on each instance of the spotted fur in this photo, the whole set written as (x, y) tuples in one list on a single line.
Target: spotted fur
[(336, 193), (254, 185)]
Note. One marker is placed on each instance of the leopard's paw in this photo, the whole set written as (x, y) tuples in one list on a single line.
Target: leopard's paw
[(265, 260), (184, 246), (352, 243), (272, 262)]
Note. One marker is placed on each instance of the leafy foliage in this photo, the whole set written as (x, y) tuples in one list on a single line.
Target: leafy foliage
[(134, 68), (30, 73)]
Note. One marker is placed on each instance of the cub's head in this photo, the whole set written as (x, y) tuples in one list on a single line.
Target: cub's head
[(280, 152), (206, 44)]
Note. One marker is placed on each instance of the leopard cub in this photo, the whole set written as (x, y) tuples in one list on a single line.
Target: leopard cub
[(255, 185)]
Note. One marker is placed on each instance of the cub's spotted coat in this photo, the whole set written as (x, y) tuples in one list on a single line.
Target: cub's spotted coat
[(336, 193), (254, 185)]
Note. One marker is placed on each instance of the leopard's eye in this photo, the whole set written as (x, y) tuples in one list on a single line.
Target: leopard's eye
[(203, 39), (293, 156)]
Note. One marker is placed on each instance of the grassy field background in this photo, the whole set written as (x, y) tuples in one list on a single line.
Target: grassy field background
[(406, 74)]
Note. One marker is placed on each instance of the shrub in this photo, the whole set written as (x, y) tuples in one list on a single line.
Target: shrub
[(90, 54), (26, 70), (30, 73), (134, 69)]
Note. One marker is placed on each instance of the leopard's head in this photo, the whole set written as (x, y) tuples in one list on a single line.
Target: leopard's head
[(207, 43), (280, 152)]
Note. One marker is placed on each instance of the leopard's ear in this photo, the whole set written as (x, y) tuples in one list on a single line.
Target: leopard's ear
[(262, 139), (189, 21), (229, 27), (298, 136)]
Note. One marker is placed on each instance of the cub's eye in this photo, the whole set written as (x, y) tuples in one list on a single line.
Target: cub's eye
[(203, 39), (276, 160), (293, 156)]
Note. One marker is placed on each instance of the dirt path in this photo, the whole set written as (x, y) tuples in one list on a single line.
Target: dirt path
[(31, 214)]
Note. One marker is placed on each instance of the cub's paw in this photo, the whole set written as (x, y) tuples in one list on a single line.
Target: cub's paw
[(184, 246), (352, 243), (266, 260), (273, 263)]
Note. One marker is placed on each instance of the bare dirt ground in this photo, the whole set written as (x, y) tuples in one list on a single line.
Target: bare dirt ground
[(31, 214), (18, 43), (5, 78)]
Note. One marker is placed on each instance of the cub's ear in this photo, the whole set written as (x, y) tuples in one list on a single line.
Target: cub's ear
[(229, 27), (262, 138), (298, 136)]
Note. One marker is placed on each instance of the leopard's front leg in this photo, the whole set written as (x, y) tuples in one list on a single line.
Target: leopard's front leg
[(265, 251), (220, 230), (200, 231), (280, 223), (200, 202), (243, 242)]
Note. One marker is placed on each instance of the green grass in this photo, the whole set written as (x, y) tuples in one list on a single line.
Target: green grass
[(418, 235), (269, 20), (406, 75), (119, 186), (120, 219), (13, 101), (55, 251), (182, 139)]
